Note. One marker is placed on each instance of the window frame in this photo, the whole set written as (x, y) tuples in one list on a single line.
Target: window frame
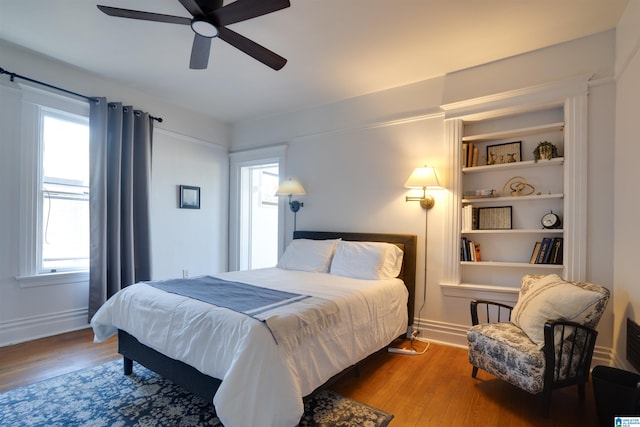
[(35, 104)]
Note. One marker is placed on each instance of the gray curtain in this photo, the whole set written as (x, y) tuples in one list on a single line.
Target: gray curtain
[(120, 162)]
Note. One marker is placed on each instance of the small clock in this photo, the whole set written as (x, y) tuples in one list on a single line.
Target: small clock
[(551, 220)]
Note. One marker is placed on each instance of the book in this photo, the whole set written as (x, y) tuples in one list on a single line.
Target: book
[(478, 258), (465, 249), (474, 161), (470, 154), (556, 251), (534, 254), (465, 147), (545, 251)]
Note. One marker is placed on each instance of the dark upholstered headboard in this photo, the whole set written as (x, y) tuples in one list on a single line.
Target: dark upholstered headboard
[(406, 242)]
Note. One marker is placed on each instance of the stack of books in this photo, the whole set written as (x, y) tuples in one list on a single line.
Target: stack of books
[(469, 155), (469, 250), (548, 251), (469, 218)]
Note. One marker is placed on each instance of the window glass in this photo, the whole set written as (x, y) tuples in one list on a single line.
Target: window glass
[(64, 196)]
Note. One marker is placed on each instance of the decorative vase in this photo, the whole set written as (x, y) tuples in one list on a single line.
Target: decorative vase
[(546, 153)]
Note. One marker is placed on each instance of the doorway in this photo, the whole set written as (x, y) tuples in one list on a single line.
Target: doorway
[(259, 216), (255, 213)]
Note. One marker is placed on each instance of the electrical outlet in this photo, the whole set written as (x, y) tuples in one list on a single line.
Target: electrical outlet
[(185, 273)]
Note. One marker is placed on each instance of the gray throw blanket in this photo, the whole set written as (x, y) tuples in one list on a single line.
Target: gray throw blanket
[(290, 317)]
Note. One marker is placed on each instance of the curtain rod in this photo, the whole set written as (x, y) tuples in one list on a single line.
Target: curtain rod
[(12, 76)]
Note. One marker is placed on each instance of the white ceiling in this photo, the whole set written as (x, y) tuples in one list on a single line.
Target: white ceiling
[(336, 49)]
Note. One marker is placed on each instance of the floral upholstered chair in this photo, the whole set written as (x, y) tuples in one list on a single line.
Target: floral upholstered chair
[(545, 341)]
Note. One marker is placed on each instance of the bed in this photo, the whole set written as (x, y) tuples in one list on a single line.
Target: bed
[(254, 375)]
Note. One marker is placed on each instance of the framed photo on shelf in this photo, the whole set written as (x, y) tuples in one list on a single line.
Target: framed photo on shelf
[(494, 218), (189, 197), (504, 153)]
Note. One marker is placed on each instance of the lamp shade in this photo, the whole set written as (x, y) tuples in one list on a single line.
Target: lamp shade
[(424, 177), (290, 187)]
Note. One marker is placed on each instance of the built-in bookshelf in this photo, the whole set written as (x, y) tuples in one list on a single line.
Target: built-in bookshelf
[(494, 173)]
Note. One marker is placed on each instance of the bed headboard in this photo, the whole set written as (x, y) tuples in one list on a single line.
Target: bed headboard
[(406, 242)]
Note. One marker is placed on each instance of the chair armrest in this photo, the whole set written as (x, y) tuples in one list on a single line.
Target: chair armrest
[(570, 359), (494, 311)]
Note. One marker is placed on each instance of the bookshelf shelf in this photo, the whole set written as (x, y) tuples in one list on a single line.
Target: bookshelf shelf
[(501, 264), (517, 231), (515, 133), (556, 161), (512, 199)]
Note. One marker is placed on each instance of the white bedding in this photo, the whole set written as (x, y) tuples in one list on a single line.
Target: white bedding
[(263, 383)]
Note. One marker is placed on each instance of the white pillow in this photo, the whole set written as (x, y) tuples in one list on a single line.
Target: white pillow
[(367, 260), (308, 255), (549, 298)]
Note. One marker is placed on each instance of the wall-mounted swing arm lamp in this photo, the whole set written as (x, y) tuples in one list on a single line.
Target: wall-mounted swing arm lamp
[(291, 187), (423, 178)]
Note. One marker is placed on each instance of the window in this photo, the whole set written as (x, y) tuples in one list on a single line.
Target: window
[(54, 189), (64, 195)]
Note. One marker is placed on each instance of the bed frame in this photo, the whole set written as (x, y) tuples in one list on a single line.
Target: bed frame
[(206, 386)]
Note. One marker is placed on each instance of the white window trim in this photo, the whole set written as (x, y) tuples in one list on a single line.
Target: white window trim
[(34, 101)]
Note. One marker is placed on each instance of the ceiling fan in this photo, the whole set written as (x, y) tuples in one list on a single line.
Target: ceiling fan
[(210, 19)]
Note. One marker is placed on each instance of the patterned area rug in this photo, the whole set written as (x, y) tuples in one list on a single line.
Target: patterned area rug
[(103, 396)]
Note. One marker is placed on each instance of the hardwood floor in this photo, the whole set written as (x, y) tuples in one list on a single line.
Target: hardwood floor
[(37, 360), (433, 389)]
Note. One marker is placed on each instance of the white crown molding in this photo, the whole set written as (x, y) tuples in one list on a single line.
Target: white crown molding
[(540, 96), (190, 139)]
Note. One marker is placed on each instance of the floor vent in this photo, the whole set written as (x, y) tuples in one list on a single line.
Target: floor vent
[(633, 343)]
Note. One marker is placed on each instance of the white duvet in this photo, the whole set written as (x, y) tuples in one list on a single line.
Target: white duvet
[(263, 383)]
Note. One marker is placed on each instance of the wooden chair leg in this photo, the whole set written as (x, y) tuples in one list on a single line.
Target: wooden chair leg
[(474, 372), (581, 391), (546, 402)]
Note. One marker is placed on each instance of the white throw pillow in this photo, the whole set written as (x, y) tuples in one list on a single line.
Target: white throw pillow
[(308, 255), (367, 260), (550, 298)]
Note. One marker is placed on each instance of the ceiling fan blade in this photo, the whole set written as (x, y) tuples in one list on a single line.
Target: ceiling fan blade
[(193, 7), (208, 6), (241, 10), (200, 52), (145, 16), (252, 48)]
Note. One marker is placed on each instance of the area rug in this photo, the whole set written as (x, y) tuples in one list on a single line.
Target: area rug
[(103, 396)]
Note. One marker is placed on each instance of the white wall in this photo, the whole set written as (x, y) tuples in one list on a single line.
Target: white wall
[(627, 153), (188, 239), (354, 156), (188, 149)]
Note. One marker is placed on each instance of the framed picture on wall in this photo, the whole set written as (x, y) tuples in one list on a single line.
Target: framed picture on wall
[(189, 197)]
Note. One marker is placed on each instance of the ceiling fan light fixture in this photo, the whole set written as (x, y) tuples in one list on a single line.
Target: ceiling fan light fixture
[(203, 27)]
